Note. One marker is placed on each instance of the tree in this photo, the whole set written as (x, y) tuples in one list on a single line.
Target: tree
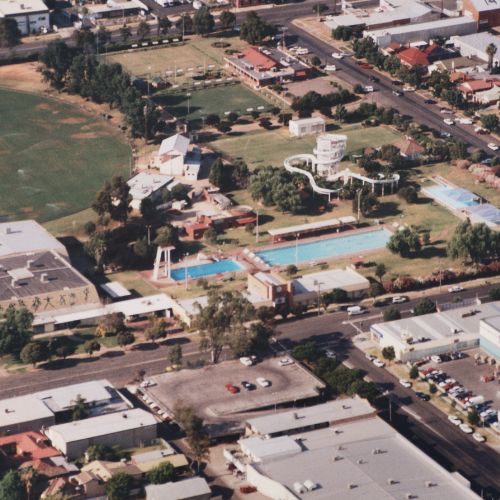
[(494, 293), (490, 122), (57, 59), (432, 388), (143, 30), (227, 19), (210, 236), (380, 271), (167, 235), (11, 486), (368, 203), (212, 119), (118, 486), (291, 269), (175, 354), (221, 321), (29, 477), (84, 40), (261, 333), (103, 35), (307, 351), (125, 338), (125, 33), (105, 452), (91, 346), (15, 330), (148, 209), (409, 194), (413, 372), (491, 50), (164, 24), (185, 24), (221, 175), (79, 410), (65, 350), (404, 242), (203, 21), (34, 352), (375, 289), (162, 473), (388, 353), (111, 325), (254, 29), (316, 61), (114, 199), (155, 330), (340, 113), (10, 35), (98, 246), (224, 127), (335, 296), (473, 416), (425, 306), (391, 314), (89, 228)]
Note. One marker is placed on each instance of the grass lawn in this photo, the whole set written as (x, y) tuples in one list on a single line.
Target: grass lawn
[(53, 158), (196, 53), (231, 97), (264, 147)]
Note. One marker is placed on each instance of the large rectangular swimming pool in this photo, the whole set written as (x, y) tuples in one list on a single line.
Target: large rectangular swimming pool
[(208, 269), (453, 197), (327, 248)]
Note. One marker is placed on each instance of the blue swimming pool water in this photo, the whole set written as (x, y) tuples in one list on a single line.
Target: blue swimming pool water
[(324, 249), (209, 269), (455, 198)]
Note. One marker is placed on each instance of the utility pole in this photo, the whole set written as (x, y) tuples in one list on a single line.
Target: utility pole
[(359, 191), (185, 271), (296, 249), (257, 227)]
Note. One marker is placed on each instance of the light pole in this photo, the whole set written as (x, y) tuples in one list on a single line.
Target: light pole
[(188, 96), (149, 77), (185, 271), (358, 192), (257, 226), (318, 284), (296, 249)]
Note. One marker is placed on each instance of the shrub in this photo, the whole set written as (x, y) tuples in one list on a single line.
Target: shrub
[(391, 314)]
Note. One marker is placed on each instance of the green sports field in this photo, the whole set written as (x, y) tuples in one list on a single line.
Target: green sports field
[(53, 158)]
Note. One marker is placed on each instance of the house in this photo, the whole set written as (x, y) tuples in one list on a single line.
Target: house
[(125, 429), (409, 148), (471, 87), (194, 488), (27, 446), (486, 13), (176, 157), (475, 45), (306, 126), (32, 16), (412, 57), (147, 185), (488, 96)]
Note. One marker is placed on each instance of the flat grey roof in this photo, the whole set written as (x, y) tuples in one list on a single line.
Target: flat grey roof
[(22, 409), (493, 321), (410, 28), (478, 41), (180, 490), (22, 7), (309, 416), (29, 274), (366, 459), (346, 279)]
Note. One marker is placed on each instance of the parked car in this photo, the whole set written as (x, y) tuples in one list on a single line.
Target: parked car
[(399, 299), (409, 88), (330, 67), (397, 93), (446, 111), (378, 363), (422, 396), (368, 88), (455, 289), (338, 55), (370, 357), (405, 383), (285, 361), (263, 382), (247, 385), (493, 146), (246, 360), (373, 79), (466, 428), (449, 121), (436, 359), (429, 101), (396, 82), (232, 388), (455, 420), (355, 310), (465, 121), (478, 437), (330, 354)]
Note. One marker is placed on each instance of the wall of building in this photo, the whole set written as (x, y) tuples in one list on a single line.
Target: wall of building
[(31, 425), (268, 486), (489, 340), (32, 22), (174, 166)]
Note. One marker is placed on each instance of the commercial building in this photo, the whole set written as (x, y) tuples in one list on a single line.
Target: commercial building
[(24, 413), (125, 429), (489, 336), (475, 45), (176, 157), (361, 457), (262, 66), (306, 289), (411, 33), (270, 288), (194, 488), (32, 16), (147, 185), (486, 13), (115, 9), (306, 126), (433, 334)]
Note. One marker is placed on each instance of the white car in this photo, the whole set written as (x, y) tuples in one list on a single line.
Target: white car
[(399, 299), (449, 121), (330, 67), (263, 382), (493, 146), (302, 51), (408, 88), (466, 428), (355, 310), (330, 354), (378, 363), (405, 383), (370, 357), (455, 420), (368, 88), (455, 289), (436, 359), (338, 55), (245, 360), (465, 121), (478, 437), (445, 111), (285, 362)]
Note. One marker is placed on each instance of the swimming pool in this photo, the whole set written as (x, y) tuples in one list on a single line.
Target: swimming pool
[(327, 248), (208, 269), (455, 198)]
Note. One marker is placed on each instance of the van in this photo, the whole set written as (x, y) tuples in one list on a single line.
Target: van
[(355, 310)]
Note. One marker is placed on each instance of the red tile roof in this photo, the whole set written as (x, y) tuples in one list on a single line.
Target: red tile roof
[(258, 59), (409, 147), (413, 57), (30, 446), (476, 86)]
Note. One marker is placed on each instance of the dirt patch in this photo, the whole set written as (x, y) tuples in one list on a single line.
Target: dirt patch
[(72, 121), (84, 135), (27, 210), (43, 105), (23, 77)]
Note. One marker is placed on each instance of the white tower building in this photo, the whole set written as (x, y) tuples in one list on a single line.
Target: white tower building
[(329, 151)]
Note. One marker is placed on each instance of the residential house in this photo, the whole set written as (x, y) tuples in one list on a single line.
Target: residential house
[(471, 87), (488, 97), (409, 148), (25, 447), (412, 57)]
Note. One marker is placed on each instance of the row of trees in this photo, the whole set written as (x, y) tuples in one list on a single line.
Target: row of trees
[(311, 101)]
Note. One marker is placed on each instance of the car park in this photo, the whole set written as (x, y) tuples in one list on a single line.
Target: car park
[(455, 289), (422, 396), (378, 363), (285, 361), (466, 428), (455, 420), (399, 299), (263, 382), (247, 385), (232, 388), (478, 437), (405, 383)]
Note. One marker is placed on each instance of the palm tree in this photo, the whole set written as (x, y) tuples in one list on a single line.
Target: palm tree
[(491, 50)]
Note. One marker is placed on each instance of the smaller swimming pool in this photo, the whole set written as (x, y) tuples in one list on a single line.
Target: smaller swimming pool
[(455, 198), (208, 269)]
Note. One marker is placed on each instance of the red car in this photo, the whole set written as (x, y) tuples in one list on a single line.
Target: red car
[(232, 388)]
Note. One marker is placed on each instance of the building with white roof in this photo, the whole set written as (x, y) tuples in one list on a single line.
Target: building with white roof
[(305, 289), (24, 413), (306, 126), (176, 157), (433, 334), (410, 33), (114, 9), (260, 449), (311, 417), (25, 236), (32, 16), (475, 45), (147, 185), (364, 458), (194, 488), (126, 429)]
